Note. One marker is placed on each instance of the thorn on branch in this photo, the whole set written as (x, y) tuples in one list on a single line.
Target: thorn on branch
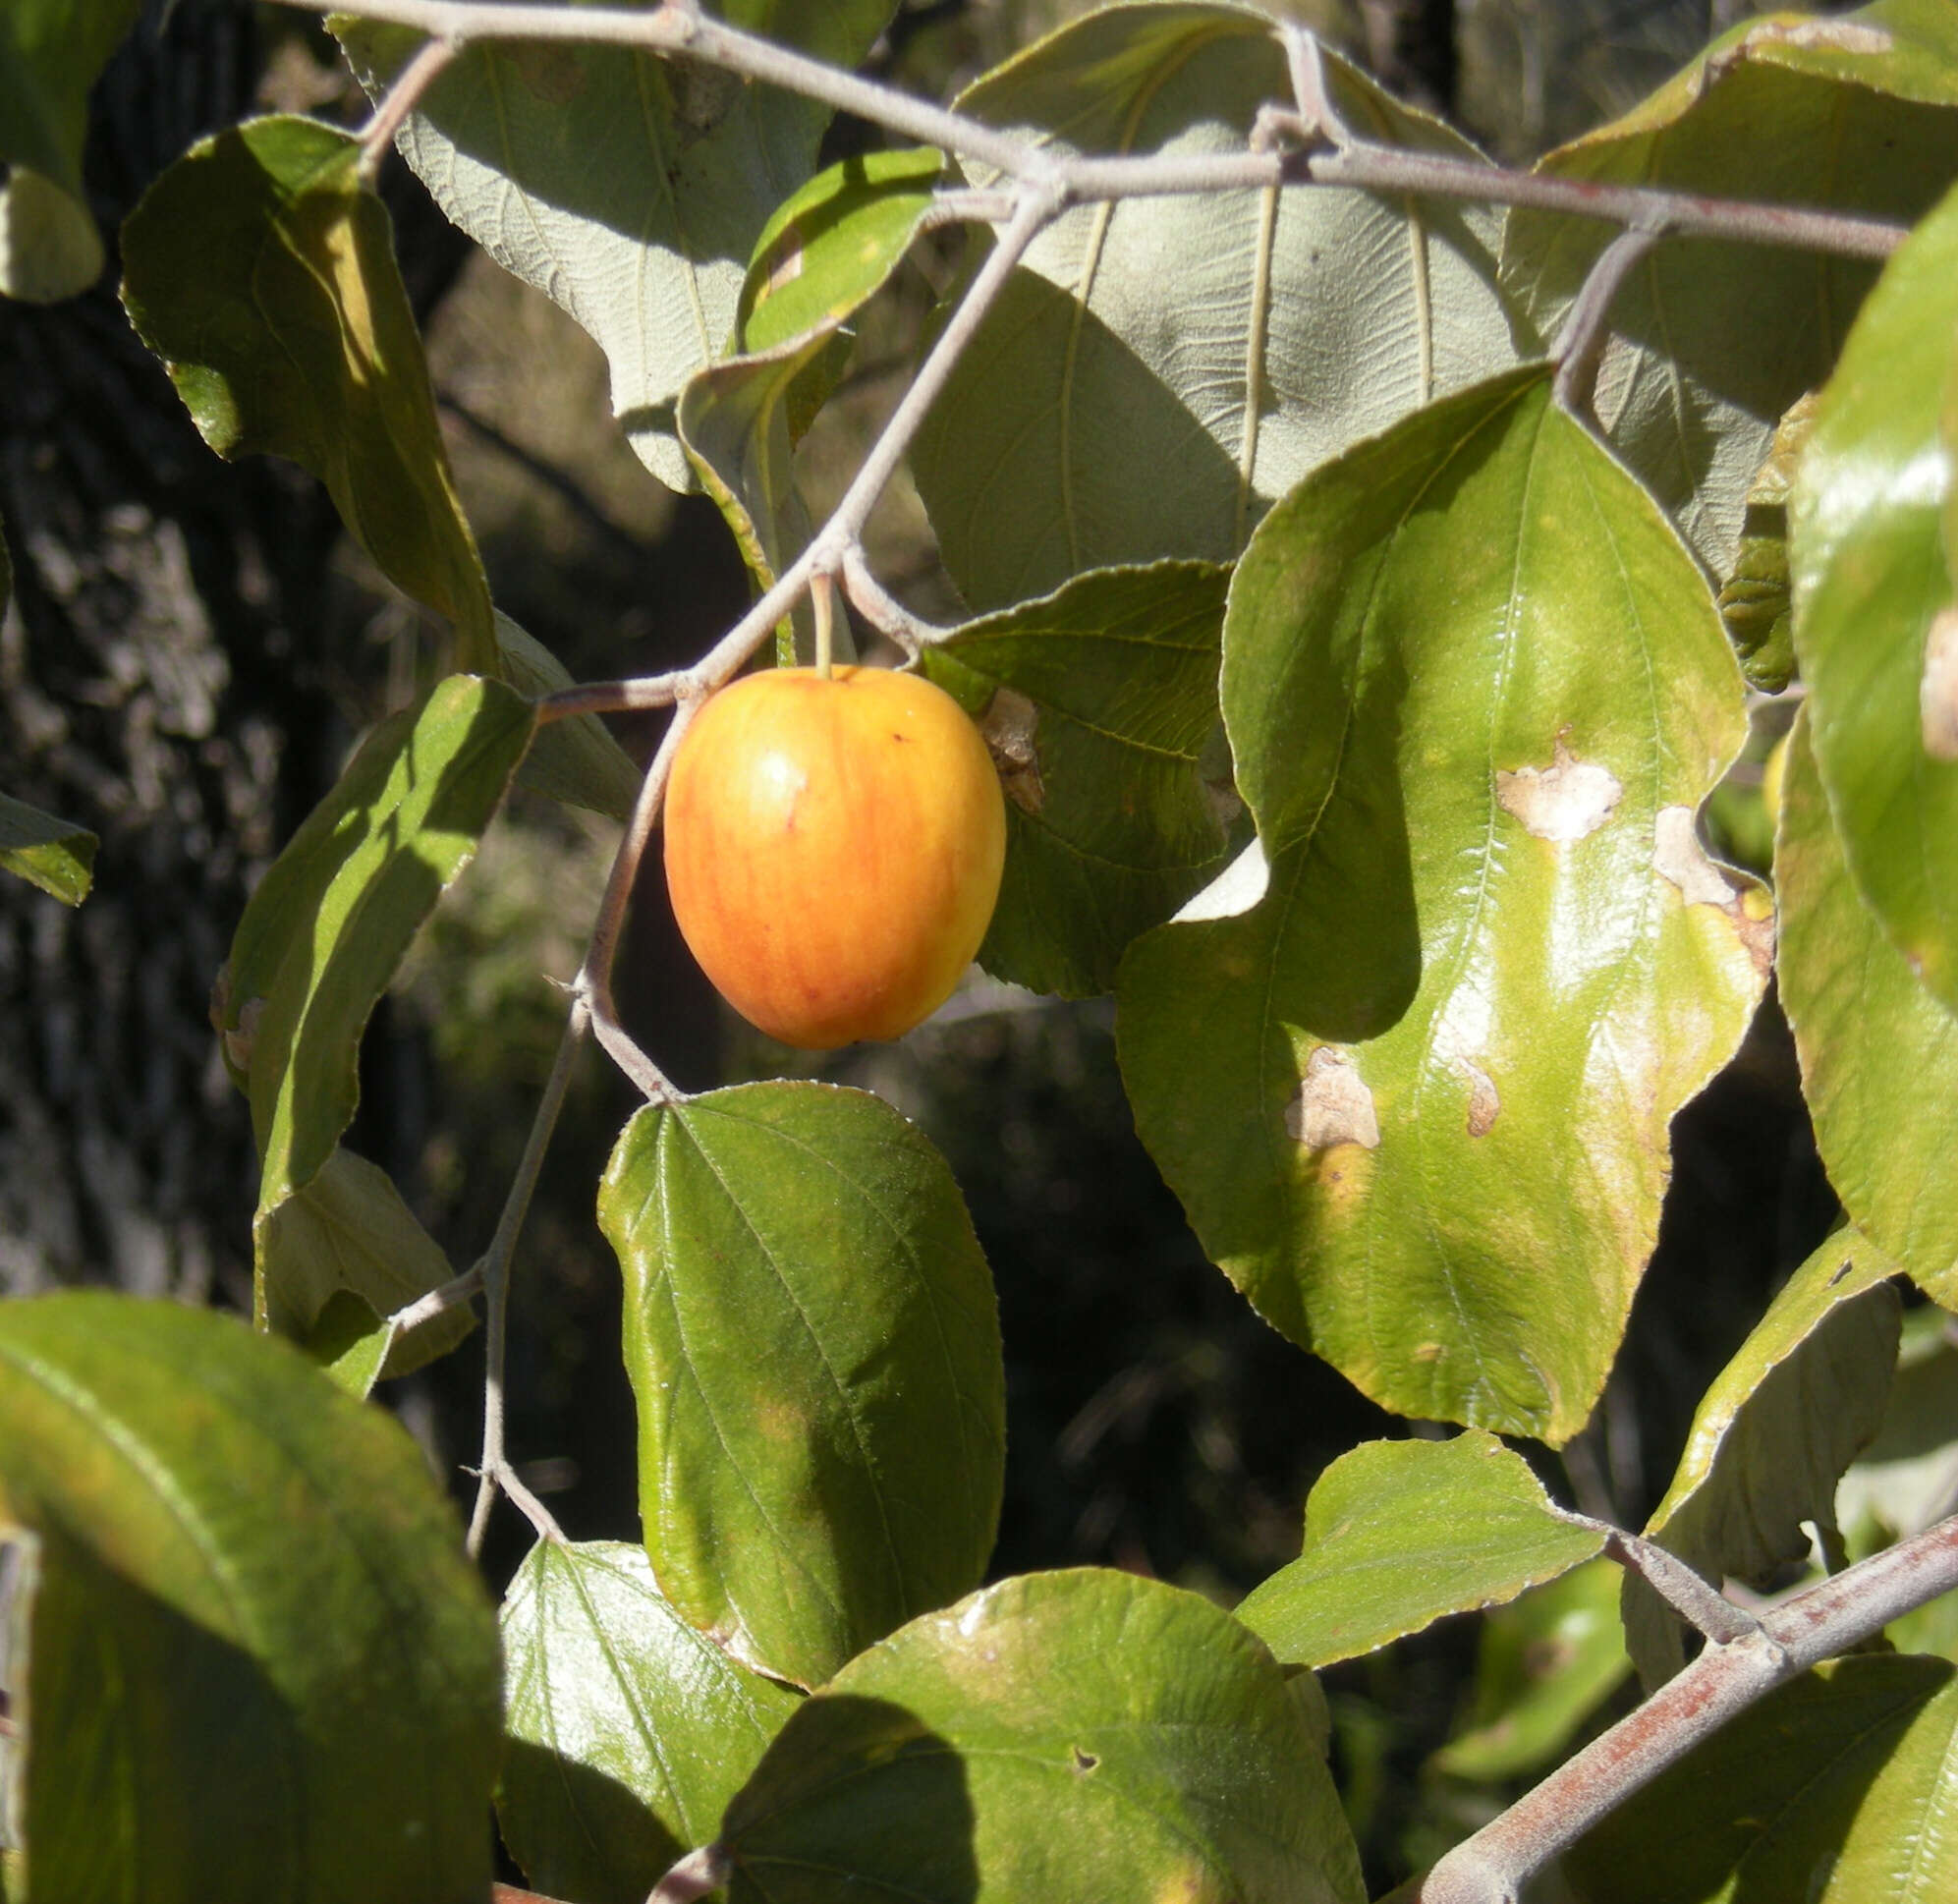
[(1318, 116)]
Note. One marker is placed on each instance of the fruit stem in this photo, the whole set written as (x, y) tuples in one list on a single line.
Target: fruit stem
[(822, 594)]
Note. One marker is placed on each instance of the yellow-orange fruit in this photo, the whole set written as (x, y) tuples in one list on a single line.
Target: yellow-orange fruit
[(833, 849)]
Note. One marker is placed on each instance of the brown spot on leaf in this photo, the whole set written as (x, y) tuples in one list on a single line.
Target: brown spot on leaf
[(1680, 858), (787, 264), (1010, 724), (1333, 1104), (1564, 800), (1937, 691), (1426, 1352), (1084, 1760), (1484, 1104)]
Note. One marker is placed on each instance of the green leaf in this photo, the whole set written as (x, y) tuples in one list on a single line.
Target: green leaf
[(1712, 341), (332, 918), (1416, 1101), (1756, 600), (577, 761), (826, 249), (260, 1664), (832, 244), (346, 1233), (1545, 1664), (1101, 416), (1073, 1737), (1399, 1534), (629, 189), (626, 1731), (50, 53), (1879, 1055), (1834, 1789), (1876, 608), (812, 1339), (1098, 702), (1773, 1435), (55, 854), (264, 275)]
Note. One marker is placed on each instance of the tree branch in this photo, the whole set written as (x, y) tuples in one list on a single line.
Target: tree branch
[(1820, 1624)]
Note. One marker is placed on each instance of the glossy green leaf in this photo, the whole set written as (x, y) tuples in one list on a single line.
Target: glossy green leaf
[(626, 1731), (1773, 1435), (832, 244), (577, 761), (1399, 1534), (1070, 1737), (55, 854), (264, 275), (1836, 1789), (1416, 1101), (50, 55), (1101, 416), (629, 189), (1879, 1055), (346, 1232), (1545, 1664), (1907, 1477), (1876, 602), (333, 915), (1099, 703), (1757, 598), (1712, 341), (260, 1664), (813, 1343)]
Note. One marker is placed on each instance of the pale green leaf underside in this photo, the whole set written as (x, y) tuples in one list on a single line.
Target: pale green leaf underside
[(1771, 1439), (1217, 345), (1073, 1737), (1712, 340), (1416, 1101), (813, 1341), (1399, 1534), (627, 1732)]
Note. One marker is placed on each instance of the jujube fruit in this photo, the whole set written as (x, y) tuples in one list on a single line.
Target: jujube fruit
[(833, 849)]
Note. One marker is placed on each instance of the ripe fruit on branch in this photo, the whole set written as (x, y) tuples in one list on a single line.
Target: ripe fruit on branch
[(833, 849)]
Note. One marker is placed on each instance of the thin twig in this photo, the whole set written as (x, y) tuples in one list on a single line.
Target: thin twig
[(648, 692), (1580, 345), (528, 1504), (452, 1294), (402, 97), (495, 1268), (1827, 1620), (1701, 1607), (882, 609)]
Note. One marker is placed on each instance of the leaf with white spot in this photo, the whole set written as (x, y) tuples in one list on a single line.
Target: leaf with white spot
[(1416, 1099)]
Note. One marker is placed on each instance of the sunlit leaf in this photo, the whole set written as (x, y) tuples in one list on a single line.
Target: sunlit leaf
[(332, 918), (346, 1233), (259, 1665), (627, 1732), (1073, 1737), (1834, 1789), (1773, 1435), (1879, 1055), (813, 1341), (1876, 602), (1545, 1664), (50, 55), (1712, 340), (1416, 1101), (629, 189), (1098, 703), (1399, 1534), (55, 854), (1101, 417)]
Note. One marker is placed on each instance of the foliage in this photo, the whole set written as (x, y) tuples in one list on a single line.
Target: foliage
[(1368, 554)]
